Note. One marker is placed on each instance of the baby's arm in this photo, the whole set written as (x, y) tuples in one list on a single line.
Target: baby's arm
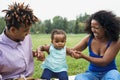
[(44, 48), (40, 54)]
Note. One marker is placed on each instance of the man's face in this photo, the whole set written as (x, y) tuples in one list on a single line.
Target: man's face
[(19, 34)]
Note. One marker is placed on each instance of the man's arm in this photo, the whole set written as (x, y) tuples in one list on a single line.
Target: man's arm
[(0, 77)]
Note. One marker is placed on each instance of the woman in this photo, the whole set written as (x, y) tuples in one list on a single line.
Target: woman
[(103, 44)]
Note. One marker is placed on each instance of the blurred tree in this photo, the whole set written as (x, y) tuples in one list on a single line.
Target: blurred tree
[(2, 24), (48, 25)]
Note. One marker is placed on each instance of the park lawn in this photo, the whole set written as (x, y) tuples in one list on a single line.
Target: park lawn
[(75, 66)]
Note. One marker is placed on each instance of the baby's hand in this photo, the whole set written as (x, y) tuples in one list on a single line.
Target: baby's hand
[(76, 54)]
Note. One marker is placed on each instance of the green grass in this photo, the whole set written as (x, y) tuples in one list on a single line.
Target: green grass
[(75, 66)]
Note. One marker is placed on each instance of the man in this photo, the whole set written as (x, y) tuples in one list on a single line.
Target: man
[(16, 56)]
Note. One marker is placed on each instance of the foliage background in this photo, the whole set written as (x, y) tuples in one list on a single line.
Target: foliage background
[(58, 22)]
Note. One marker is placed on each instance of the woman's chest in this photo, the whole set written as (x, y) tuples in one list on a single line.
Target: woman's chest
[(98, 48)]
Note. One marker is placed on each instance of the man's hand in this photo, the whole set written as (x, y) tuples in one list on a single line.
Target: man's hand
[(39, 55)]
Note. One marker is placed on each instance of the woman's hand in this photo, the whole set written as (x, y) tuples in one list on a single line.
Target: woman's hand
[(76, 54)]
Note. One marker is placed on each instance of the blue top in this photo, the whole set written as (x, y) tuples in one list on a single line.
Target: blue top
[(56, 60), (93, 67)]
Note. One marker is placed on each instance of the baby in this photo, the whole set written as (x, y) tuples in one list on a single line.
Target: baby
[(55, 63)]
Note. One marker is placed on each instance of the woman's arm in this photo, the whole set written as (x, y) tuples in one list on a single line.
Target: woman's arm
[(108, 56), (82, 45), (74, 52)]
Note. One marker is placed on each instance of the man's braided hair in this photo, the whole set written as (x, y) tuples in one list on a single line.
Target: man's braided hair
[(18, 14)]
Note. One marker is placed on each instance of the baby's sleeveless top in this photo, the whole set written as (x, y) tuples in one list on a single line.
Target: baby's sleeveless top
[(56, 60)]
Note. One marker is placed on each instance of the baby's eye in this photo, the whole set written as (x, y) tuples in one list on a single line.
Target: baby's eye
[(62, 41)]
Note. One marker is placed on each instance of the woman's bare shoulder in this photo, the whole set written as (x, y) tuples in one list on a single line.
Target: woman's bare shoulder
[(86, 38)]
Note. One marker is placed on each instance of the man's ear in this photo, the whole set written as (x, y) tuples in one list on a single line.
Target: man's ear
[(12, 30)]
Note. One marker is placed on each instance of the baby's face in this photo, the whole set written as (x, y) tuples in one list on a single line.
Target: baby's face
[(59, 41)]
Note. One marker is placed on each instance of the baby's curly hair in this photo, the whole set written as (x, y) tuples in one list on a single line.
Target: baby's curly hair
[(57, 31), (19, 14)]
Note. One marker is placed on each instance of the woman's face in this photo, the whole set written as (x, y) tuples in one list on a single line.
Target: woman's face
[(97, 29), (59, 41)]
